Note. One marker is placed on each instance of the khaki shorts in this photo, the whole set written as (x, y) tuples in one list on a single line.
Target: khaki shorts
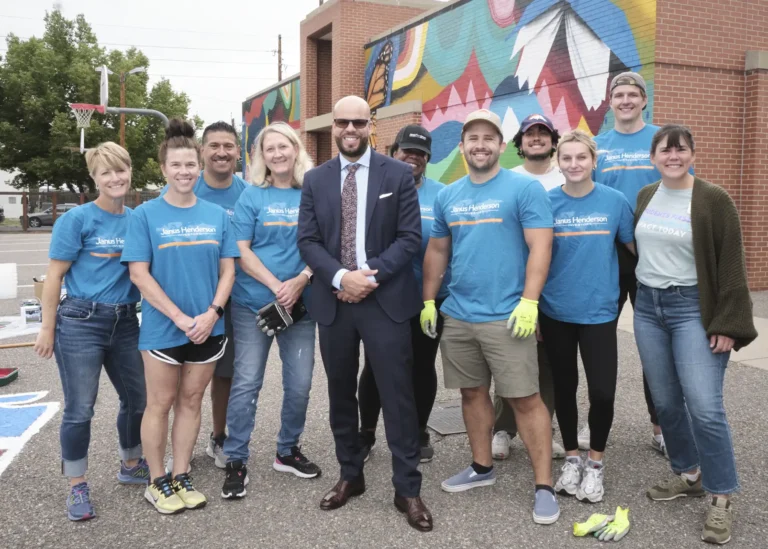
[(475, 353)]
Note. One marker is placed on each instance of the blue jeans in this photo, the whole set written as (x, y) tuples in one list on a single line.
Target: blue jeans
[(88, 336), (297, 352), (686, 381)]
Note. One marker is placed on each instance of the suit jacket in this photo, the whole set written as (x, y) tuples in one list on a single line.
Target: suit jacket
[(392, 236)]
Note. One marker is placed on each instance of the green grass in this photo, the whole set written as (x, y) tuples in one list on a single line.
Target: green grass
[(11, 222)]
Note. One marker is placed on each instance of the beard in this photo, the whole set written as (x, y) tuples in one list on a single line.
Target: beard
[(490, 164), (538, 157), (356, 152)]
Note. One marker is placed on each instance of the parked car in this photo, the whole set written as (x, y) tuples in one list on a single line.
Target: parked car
[(2, 214), (46, 216)]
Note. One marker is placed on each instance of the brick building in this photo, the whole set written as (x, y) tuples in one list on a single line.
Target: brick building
[(705, 62)]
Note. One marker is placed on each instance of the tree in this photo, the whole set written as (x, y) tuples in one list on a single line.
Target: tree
[(40, 76)]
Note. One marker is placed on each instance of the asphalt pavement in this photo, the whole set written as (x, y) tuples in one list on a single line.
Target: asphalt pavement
[(283, 511)]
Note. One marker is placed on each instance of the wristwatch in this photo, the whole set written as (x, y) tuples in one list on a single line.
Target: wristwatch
[(309, 275), (219, 310)]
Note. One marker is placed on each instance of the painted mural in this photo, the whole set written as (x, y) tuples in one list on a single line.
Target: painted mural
[(515, 58), (276, 104)]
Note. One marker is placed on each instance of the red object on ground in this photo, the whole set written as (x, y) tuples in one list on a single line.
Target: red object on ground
[(7, 375)]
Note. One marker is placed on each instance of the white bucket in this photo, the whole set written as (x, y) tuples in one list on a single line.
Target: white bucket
[(8, 281)]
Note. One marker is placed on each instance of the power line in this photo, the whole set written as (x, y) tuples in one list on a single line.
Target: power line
[(166, 47), (208, 32), (206, 77)]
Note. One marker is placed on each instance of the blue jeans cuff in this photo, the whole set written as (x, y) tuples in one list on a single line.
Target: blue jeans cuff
[(76, 468), (721, 492), (679, 471), (130, 453)]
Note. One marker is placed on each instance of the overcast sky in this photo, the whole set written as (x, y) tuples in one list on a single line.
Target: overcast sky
[(185, 42)]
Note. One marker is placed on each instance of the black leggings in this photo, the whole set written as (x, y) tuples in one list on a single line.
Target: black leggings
[(598, 347), (628, 288), (424, 377)]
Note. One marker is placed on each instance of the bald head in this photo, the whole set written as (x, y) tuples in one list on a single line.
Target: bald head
[(351, 107)]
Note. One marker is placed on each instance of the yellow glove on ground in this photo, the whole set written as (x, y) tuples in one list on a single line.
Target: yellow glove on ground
[(593, 524), (617, 529), (523, 318), (428, 319)]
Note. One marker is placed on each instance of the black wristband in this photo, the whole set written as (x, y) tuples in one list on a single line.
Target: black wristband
[(219, 310)]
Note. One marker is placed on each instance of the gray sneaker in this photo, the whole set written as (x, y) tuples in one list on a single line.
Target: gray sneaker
[(717, 529), (545, 509), (468, 479), (675, 487), (659, 445), (215, 450)]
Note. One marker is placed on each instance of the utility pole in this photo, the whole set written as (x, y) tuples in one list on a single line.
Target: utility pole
[(279, 57), (122, 106)]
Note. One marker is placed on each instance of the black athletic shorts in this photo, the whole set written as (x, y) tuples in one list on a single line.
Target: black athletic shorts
[(212, 349)]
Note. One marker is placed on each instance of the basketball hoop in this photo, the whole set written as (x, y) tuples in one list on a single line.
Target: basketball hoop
[(83, 113)]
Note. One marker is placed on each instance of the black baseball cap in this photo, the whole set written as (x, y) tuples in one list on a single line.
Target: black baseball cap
[(416, 137)]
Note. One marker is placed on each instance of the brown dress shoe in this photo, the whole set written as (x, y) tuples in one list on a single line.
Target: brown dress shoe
[(418, 515), (341, 492)]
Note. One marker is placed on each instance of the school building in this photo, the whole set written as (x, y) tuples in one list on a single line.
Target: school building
[(421, 61)]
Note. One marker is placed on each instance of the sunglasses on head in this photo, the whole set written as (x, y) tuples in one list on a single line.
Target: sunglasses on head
[(358, 123)]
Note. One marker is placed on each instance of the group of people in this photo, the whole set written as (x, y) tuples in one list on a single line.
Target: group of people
[(511, 273)]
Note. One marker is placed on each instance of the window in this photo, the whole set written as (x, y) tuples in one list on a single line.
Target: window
[(11, 200)]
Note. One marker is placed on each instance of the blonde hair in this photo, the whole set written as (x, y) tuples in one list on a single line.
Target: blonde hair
[(260, 174), (107, 154), (578, 136)]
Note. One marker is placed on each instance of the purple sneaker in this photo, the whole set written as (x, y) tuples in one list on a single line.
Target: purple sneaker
[(138, 474), (79, 503)]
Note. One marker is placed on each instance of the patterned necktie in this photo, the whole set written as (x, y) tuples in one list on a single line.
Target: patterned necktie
[(349, 219)]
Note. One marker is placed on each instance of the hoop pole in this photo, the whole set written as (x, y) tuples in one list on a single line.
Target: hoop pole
[(82, 140), (142, 112)]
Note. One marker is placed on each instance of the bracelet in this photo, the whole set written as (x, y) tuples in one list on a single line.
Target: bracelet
[(307, 274)]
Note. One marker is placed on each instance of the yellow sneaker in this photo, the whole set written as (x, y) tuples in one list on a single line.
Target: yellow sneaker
[(160, 494), (192, 499)]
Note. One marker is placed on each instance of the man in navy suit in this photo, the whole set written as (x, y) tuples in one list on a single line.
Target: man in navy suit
[(359, 229)]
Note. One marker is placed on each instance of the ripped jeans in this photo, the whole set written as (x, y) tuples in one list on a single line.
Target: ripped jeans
[(297, 353)]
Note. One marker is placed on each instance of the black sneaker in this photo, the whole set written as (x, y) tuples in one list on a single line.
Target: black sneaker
[(427, 452), (297, 464), (368, 441), (236, 481)]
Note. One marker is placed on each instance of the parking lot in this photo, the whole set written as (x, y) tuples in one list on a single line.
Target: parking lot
[(283, 511)]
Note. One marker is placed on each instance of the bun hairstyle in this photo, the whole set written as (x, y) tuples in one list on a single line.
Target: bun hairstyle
[(179, 134)]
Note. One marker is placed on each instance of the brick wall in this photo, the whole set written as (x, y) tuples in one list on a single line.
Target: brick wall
[(386, 129), (325, 76), (700, 81)]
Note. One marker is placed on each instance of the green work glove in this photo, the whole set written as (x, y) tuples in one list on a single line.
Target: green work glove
[(617, 529), (428, 319), (593, 524), (523, 318)]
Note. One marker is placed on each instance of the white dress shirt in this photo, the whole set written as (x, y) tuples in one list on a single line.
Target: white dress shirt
[(361, 177)]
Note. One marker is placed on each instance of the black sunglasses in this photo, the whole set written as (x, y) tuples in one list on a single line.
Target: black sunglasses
[(358, 123)]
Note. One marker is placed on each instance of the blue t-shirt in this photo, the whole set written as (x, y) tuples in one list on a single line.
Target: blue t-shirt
[(485, 222), (624, 161), (268, 218), (226, 198), (183, 247), (92, 239), (427, 194), (583, 282)]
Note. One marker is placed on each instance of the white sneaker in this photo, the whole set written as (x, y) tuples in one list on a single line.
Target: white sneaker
[(658, 444), (558, 452), (583, 438), (570, 477), (169, 466), (216, 451), (501, 445), (591, 487)]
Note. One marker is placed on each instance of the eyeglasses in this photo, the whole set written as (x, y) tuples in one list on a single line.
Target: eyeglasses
[(358, 123)]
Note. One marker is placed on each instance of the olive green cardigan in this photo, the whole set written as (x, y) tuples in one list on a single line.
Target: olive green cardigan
[(718, 251)]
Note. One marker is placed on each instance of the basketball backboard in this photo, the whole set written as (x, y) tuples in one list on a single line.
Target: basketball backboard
[(104, 85)]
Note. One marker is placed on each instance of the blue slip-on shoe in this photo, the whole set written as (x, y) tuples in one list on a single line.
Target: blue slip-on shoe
[(468, 479), (138, 474), (79, 503), (545, 509)]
